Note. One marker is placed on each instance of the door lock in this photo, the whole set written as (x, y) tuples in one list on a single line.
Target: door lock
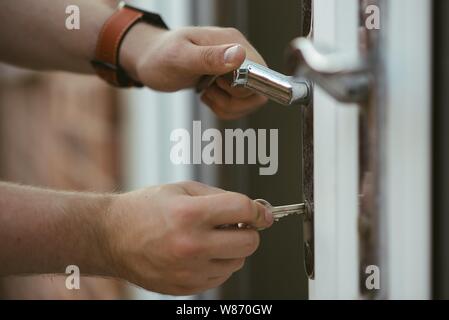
[(306, 210)]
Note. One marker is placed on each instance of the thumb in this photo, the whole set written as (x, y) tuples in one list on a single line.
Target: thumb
[(217, 60)]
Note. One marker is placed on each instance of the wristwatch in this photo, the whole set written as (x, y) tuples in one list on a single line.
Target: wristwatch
[(106, 61)]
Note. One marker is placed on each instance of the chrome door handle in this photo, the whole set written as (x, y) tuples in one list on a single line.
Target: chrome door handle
[(346, 78), (269, 83), (274, 85)]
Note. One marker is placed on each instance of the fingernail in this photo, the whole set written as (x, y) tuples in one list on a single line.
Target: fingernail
[(269, 216), (231, 54)]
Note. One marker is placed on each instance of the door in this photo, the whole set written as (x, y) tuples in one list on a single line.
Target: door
[(372, 158)]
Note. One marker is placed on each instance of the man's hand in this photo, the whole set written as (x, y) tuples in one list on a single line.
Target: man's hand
[(174, 60), (168, 239), (162, 60), (176, 239)]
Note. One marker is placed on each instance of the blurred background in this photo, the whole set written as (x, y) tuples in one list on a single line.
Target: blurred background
[(74, 132)]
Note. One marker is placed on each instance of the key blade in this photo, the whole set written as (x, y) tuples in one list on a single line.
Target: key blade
[(280, 215), (290, 208), (285, 211)]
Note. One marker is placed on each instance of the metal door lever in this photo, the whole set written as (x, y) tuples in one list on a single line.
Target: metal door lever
[(274, 85), (346, 78)]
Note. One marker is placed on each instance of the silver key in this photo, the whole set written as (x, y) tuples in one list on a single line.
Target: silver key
[(280, 212)]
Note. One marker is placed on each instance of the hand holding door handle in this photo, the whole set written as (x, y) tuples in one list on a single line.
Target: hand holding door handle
[(346, 78)]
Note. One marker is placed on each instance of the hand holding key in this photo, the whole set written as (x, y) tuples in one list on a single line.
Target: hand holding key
[(278, 212), (170, 238)]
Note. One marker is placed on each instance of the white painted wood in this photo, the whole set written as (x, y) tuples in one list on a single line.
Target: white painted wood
[(405, 249), (336, 165), (408, 138)]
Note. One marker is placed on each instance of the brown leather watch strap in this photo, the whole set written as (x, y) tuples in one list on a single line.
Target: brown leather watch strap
[(106, 61)]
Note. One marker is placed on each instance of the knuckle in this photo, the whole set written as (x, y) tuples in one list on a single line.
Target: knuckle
[(208, 57), (186, 248), (185, 213)]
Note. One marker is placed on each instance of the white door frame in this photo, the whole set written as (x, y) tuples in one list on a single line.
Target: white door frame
[(336, 162), (404, 246)]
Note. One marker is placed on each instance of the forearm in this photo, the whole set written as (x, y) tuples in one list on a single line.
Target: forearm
[(34, 35), (43, 231)]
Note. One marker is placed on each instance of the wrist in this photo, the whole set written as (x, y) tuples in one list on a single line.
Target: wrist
[(137, 44), (112, 237), (106, 234), (94, 244)]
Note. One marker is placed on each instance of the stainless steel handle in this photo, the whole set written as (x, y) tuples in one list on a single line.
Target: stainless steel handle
[(346, 78), (274, 85)]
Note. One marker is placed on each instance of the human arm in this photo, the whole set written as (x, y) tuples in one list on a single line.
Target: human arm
[(34, 35), (166, 239)]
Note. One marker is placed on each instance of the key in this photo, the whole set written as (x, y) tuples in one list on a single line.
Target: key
[(280, 212)]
